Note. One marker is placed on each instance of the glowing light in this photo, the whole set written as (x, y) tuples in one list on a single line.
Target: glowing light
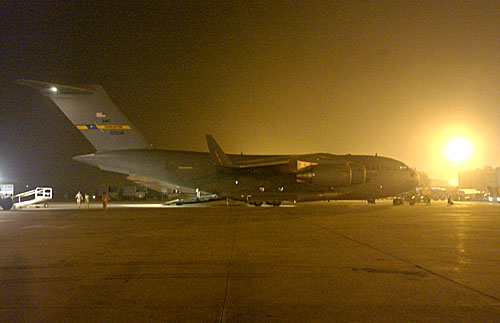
[(53, 89), (453, 182), (458, 150)]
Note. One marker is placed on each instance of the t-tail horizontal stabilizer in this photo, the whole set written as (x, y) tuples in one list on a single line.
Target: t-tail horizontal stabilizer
[(91, 110)]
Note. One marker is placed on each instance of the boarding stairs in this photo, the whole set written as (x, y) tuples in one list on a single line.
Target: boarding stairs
[(36, 196)]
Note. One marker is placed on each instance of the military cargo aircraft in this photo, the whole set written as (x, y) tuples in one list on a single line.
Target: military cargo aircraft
[(254, 179)]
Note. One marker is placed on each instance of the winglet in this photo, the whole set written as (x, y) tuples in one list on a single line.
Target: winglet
[(218, 155)]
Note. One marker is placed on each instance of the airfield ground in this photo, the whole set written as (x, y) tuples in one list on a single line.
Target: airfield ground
[(333, 261)]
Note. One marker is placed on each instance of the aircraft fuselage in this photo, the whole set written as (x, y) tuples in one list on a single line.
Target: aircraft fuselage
[(191, 171)]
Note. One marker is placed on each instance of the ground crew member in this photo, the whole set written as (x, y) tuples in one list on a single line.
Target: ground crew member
[(79, 198), (87, 200), (105, 199), (450, 201)]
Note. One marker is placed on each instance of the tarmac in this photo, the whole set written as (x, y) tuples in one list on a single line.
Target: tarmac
[(323, 262)]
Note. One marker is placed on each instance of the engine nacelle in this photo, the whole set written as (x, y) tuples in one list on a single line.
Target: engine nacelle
[(333, 175)]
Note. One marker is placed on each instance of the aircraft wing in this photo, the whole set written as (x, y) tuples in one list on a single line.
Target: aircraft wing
[(221, 159), (262, 162)]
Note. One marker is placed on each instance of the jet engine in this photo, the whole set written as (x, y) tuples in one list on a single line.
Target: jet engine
[(333, 175)]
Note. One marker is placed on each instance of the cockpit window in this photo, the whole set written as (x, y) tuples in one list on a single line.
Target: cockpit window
[(402, 167)]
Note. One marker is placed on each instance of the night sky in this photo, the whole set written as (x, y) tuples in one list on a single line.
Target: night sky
[(397, 78)]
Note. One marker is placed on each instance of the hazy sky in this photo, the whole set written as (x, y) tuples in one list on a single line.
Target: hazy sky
[(397, 78)]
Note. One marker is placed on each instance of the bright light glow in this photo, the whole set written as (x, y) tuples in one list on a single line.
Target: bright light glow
[(433, 150), (53, 89), (458, 150), (453, 182)]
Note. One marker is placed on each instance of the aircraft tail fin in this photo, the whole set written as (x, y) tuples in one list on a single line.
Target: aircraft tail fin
[(218, 155), (91, 110)]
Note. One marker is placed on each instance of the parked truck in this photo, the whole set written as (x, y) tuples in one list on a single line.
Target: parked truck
[(133, 192)]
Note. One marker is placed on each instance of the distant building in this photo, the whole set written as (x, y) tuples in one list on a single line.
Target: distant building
[(479, 179), (440, 183)]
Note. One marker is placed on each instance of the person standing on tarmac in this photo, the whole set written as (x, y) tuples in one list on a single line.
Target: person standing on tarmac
[(79, 198), (87, 201), (450, 201), (105, 199)]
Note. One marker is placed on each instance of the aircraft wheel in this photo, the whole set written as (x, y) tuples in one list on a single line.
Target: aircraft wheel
[(371, 201), (397, 202), (276, 203), (257, 203), (6, 204)]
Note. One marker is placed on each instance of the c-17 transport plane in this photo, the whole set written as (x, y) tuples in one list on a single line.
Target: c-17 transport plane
[(254, 179)]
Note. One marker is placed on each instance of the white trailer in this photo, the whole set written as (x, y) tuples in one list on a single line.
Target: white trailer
[(37, 196)]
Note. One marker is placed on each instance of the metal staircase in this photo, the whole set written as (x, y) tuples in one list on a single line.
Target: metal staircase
[(36, 196)]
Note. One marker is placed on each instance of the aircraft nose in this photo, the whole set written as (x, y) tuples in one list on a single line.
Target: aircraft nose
[(414, 178)]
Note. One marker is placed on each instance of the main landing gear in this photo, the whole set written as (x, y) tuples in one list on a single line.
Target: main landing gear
[(273, 203), (397, 201), (411, 198)]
